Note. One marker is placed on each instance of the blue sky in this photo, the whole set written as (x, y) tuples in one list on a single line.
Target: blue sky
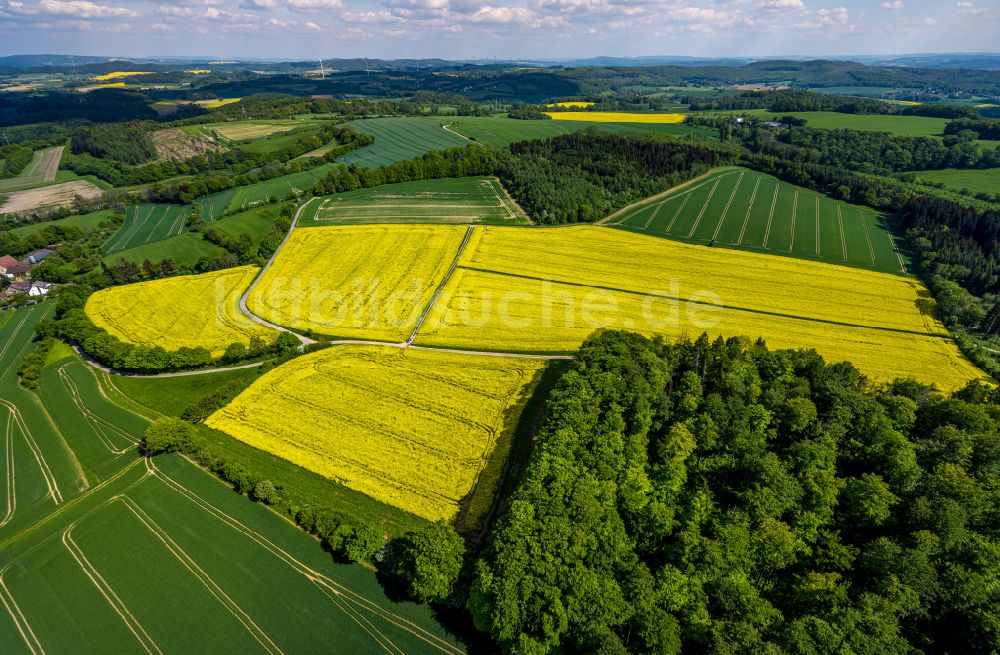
[(310, 29)]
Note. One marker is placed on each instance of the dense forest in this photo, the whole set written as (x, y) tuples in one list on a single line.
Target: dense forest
[(127, 143), (720, 497), (584, 176), (803, 100)]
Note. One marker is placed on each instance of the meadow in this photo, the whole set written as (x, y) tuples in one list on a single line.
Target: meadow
[(615, 117), (739, 208), (275, 189), (986, 180), (185, 311), (215, 205), (399, 139), (41, 169), (500, 131), (186, 248), (452, 200), (413, 429), (356, 282), (147, 223), (544, 290), (831, 120), (242, 130), (86, 221)]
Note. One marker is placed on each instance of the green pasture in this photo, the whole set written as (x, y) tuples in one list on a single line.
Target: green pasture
[(399, 139), (984, 180)]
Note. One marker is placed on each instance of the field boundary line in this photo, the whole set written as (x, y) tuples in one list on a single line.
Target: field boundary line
[(738, 308), (669, 192), (257, 632), (843, 239), (314, 576), (722, 218), (892, 240), (795, 211), (20, 621), (110, 595), (444, 280), (864, 224), (277, 251), (770, 217)]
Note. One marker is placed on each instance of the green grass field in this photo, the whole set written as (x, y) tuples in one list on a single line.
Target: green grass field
[(280, 139), (399, 139), (147, 223), (186, 248), (986, 180), (213, 206), (40, 170), (743, 209), (256, 222), (500, 131), (830, 120), (88, 221), (461, 200), (105, 551), (278, 188)]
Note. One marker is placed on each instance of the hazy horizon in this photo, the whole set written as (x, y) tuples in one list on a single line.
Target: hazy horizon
[(471, 29)]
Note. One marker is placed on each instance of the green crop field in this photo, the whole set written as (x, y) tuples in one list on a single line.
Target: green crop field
[(106, 551), (743, 209), (255, 222), (984, 180), (831, 120), (40, 170), (213, 206), (148, 223), (282, 139), (399, 139), (186, 248), (461, 200), (278, 188), (90, 221), (500, 131)]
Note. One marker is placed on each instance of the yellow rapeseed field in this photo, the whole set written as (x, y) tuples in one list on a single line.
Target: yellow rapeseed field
[(356, 282), (220, 103), (614, 117), (116, 74), (199, 71), (547, 289), (412, 428), (572, 103), (190, 310)]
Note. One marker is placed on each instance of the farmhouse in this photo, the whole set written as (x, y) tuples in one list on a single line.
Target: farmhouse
[(37, 256), (19, 270), (6, 262)]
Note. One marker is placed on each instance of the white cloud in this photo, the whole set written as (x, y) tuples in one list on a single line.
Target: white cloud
[(259, 4), (893, 4), (971, 9), (782, 4), (313, 26), (77, 8), (314, 5)]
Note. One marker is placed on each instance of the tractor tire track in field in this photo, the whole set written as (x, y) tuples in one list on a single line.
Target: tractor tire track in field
[(9, 463), (97, 422), (746, 219), (49, 477), (258, 633), (722, 217), (770, 217), (20, 621), (843, 239), (117, 604), (440, 287), (663, 195), (327, 585)]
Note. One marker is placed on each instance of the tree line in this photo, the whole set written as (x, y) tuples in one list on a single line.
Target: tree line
[(785, 100), (721, 497)]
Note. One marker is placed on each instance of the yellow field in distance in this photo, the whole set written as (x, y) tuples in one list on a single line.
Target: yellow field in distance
[(572, 103), (416, 429), (199, 71), (358, 281), (220, 103), (547, 289), (187, 311), (614, 117), (116, 74)]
